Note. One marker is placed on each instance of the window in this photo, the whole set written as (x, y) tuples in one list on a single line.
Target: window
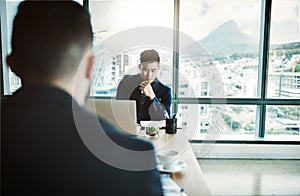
[(218, 120), (8, 10), (284, 53), (224, 51), (220, 59), (220, 49), (282, 120), (123, 29), (233, 66)]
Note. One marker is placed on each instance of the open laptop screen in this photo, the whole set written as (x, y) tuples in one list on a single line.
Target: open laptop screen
[(121, 113)]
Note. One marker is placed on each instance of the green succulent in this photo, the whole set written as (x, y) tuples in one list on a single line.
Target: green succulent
[(152, 129)]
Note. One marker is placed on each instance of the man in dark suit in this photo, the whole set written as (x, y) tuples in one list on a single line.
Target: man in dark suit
[(153, 98), (50, 145)]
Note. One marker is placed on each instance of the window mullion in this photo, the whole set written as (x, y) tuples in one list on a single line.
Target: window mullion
[(4, 49), (175, 75), (86, 4), (263, 65)]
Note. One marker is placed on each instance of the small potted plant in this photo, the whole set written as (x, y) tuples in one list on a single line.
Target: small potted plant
[(152, 130)]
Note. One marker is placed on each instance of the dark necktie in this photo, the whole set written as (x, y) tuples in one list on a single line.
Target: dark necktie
[(143, 97)]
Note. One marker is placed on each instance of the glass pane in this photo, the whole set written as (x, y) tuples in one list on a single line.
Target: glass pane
[(113, 16), (79, 1), (122, 30), (284, 53), (283, 121), (219, 48), (217, 121), (11, 10)]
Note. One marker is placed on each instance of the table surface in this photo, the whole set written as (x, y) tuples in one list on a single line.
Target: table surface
[(191, 179)]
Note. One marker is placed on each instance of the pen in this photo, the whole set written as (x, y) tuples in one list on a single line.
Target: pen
[(175, 192), (174, 115)]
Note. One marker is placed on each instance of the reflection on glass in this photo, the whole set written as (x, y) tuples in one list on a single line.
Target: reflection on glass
[(199, 120), (284, 54), (122, 29), (283, 120), (224, 54)]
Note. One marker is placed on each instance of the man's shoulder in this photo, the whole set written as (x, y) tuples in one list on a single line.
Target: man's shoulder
[(128, 77), (127, 85), (163, 86)]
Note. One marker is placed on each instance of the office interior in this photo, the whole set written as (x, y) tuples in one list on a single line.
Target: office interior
[(234, 70)]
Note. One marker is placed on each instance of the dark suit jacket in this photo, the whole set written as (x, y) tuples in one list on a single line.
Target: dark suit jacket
[(147, 109), (42, 152)]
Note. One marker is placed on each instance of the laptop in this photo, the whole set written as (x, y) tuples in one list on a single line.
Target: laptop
[(121, 113)]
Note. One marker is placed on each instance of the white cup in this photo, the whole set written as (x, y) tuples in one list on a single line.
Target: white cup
[(168, 158)]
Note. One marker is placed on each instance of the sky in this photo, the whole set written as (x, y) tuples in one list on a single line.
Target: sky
[(197, 17)]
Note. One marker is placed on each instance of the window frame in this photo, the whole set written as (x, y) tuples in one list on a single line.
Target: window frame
[(261, 102)]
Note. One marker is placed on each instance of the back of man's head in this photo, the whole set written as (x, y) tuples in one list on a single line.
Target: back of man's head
[(49, 39)]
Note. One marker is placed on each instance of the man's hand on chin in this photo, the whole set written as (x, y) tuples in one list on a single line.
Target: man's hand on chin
[(146, 88)]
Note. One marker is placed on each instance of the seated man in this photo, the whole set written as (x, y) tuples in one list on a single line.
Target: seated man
[(153, 99), (50, 145)]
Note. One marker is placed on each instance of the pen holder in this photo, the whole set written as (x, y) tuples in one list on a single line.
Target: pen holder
[(171, 125)]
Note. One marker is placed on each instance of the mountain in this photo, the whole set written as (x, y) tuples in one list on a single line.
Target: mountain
[(225, 40)]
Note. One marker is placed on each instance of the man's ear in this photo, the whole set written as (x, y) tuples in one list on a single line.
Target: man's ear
[(89, 66), (140, 66)]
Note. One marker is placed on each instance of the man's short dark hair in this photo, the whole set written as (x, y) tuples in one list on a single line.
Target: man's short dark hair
[(49, 38), (149, 56)]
